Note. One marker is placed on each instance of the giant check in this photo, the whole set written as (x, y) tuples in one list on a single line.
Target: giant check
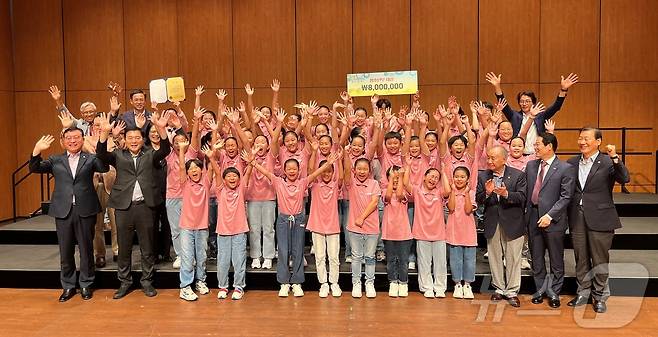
[(385, 83)]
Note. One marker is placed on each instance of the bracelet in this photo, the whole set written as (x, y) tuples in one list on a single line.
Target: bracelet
[(615, 157), (564, 90)]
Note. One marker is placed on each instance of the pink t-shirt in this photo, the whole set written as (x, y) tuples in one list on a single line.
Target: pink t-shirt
[(434, 158), (460, 230), (521, 162), (498, 142), (290, 195), (452, 163), (428, 214), (174, 188), (345, 194), (360, 194), (417, 169), (260, 188), (323, 218), (302, 155), (225, 162), (395, 223), (231, 211), (387, 160), (194, 213)]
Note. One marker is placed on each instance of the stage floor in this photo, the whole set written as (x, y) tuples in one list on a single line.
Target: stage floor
[(262, 313)]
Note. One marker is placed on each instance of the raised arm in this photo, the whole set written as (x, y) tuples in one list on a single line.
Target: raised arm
[(276, 85), (534, 111), (313, 157), (330, 162), (408, 120), (347, 166), (250, 98), (422, 120), (445, 181), (274, 146), (182, 173), (495, 82), (36, 164), (197, 96)]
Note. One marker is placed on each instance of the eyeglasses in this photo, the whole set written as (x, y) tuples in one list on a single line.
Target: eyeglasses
[(526, 101)]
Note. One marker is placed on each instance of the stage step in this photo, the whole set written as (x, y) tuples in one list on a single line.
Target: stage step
[(632, 272)]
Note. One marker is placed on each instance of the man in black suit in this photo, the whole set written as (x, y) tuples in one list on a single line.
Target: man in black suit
[(133, 197), (502, 191), (593, 217), (74, 205), (550, 186), (138, 101)]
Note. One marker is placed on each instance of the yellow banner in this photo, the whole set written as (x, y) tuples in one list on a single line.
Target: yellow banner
[(384, 83)]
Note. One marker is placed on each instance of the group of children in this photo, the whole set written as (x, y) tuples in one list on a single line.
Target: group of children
[(260, 167)]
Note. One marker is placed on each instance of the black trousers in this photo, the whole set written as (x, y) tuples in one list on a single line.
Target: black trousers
[(137, 218), (591, 250), (162, 232), (541, 240), (70, 230)]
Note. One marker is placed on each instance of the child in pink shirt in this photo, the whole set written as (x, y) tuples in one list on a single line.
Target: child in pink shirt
[(461, 233), (323, 223), (290, 223), (363, 223), (396, 233), (516, 158), (429, 231)]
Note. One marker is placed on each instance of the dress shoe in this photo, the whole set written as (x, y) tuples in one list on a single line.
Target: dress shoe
[(538, 299), (115, 258), (578, 301), (149, 291), (514, 301), (100, 262), (496, 297), (599, 306), (86, 293), (67, 294), (121, 292), (554, 302)]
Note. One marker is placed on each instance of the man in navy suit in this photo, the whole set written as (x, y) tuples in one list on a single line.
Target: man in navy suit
[(74, 205), (138, 101), (593, 217), (550, 186)]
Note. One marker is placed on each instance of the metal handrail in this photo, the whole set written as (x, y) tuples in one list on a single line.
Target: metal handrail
[(44, 193)]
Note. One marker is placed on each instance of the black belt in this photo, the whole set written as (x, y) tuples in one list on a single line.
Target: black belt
[(138, 202)]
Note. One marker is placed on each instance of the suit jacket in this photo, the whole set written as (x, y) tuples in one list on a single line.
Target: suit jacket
[(598, 206), (516, 117), (508, 212), (129, 118), (66, 186), (554, 195), (128, 173)]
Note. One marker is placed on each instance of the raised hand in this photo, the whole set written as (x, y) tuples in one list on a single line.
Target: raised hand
[(43, 144), (246, 156), (337, 105), (207, 151), (493, 129), (341, 118), (114, 103), (249, 89), (422, 117), (198, 113), (502, 103), (106, 126), (140, 120), (345, 96), (374, 98), (183, 144), (276, 85), (497, 117), (537, 109), (280, 115), (256, 116), (388, 113), (351, 116), (334, 156), (442, 111), (55, 93), (473, 105), (66, 118), (611, 150), (549, 124), (565, 83), (221, 94), (493, 79), (219, 144), (119, 126), (115, 87), (241, 107), (160, 121), (154, 105), (315, 145), (199, 90)]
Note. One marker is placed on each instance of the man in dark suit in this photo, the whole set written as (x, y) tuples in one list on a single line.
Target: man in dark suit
[(502, 191), (593, 217), (133, 197), (74, 205), (138, 101), (550, 186)]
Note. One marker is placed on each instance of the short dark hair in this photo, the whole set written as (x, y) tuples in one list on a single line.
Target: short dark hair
[(383, 103), (527, 93), (488, 105), (296, 115), (432, 133), (518, 137), (230, 170), (453, 139), (462, 168), (548, 138), (212, 113), (134, 128), (364, 160), (597, 131), (135, 92), (196, 162), (432, 169), (331, 141), (324, 106), (291, 160), (285, 134), (392, 134), (391, 170), (72, 129)]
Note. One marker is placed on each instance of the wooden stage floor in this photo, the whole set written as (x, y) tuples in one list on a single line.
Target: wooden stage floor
[(261, 313)]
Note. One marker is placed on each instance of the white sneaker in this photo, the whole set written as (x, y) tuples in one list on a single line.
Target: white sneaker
[(440, 294), (187, 294), (222, 293), (468, 291), (201, 287), (370, 290), (285, 289), (313, 250), (356, 290), (267, 264), (459, 291), (525, 264), (393, 289), (305, 263), (403, 290), (176, 264), (324, 290), (412, 265), (486, 255), (237, 293), (335, 290), (429, 293), (348, 259), (255, 263), (297, 290)]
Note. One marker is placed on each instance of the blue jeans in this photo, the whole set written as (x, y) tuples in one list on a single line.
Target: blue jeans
[(212, 226), (397, 260), (174, 207), (462, 263), (262, 215), (343, 214), (232, 249), (194, 243), (380, 211), (290, 231), (363, 245), (411, 208)]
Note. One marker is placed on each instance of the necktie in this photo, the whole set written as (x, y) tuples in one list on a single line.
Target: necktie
[(540, 178)]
